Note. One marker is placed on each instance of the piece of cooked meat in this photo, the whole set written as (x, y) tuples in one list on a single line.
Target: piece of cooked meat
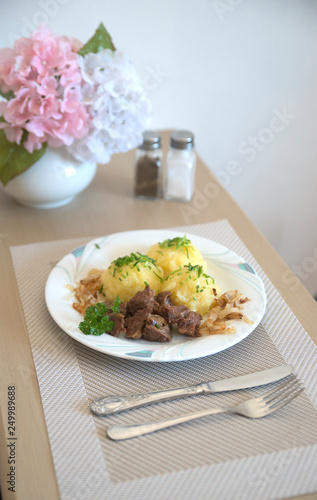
[(135, 324), (118, 327), (173, 314), (123, 308), (142, 300), (157, 329), (164, 298), (190, 324)]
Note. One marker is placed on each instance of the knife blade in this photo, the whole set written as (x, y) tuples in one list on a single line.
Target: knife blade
[(108, 405)]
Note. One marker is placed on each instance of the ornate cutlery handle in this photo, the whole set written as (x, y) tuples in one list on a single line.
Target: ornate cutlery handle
[(114, 404), (118, 432)]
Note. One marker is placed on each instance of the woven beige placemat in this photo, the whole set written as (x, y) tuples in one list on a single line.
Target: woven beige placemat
[(214, 458)]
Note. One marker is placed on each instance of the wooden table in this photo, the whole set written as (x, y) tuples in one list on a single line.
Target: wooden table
[(107, 206)]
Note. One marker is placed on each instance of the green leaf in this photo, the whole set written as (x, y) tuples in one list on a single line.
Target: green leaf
[(96, 321), (15, 159), (115, 306), (7, 95), (99, 41)]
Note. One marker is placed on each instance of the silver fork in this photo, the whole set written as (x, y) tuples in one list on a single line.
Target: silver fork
[(262, 406)]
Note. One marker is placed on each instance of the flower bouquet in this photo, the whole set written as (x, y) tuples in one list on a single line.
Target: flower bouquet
[(57, 92)]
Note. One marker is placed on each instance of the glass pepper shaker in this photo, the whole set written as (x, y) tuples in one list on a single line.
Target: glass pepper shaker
[(180, 167), (148, 166)]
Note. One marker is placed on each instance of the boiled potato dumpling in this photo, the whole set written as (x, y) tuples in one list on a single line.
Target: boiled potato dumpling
[(130, 274), (192, 287), (174, 253)]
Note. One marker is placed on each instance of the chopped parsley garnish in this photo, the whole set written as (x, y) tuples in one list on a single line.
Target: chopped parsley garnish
[(133, 260), (198, 269), (96, 320), (178, 271), (200, 272), (97, 246), (193, 273), (177, 242), (159, 277)]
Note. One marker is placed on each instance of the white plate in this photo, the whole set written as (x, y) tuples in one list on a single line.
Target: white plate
[(230, 271)]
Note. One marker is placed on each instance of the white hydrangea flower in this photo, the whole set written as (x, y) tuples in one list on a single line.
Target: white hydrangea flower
[(117, 103)]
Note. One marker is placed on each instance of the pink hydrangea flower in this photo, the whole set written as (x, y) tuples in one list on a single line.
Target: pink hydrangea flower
[(44, 74)]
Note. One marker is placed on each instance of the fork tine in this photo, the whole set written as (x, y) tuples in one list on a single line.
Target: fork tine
[(289, 380), (281, 394), (272, 408)]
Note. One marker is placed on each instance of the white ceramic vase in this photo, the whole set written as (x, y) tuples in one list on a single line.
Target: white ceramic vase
[(53, 181)]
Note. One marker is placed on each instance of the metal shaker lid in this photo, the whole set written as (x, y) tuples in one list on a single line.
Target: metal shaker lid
[(151, 140), (182, 139)]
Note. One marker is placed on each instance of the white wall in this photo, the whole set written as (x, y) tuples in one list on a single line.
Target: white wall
[(224, 69)]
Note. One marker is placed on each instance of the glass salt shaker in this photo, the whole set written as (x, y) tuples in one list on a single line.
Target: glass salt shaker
[(180, 167), (148, 166)]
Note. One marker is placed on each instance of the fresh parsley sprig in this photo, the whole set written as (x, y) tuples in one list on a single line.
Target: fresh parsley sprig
[(96, 320)]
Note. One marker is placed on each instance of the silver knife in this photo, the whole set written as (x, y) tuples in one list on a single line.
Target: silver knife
[(109, 405)]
